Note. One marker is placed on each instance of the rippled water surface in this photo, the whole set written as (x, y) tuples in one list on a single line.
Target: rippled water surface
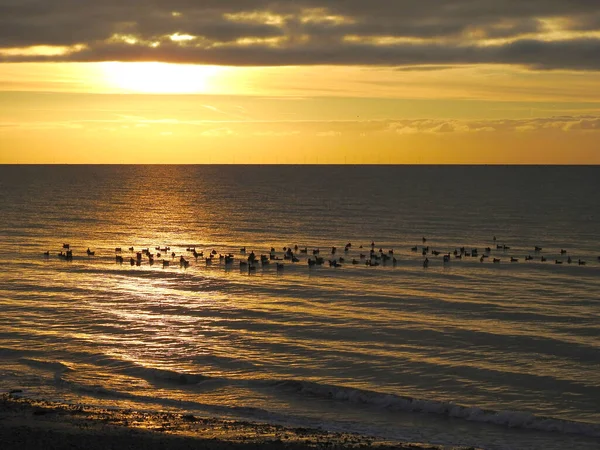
[(497, 355)]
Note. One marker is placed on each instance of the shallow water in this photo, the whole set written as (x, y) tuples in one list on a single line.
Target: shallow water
[(501, 355)]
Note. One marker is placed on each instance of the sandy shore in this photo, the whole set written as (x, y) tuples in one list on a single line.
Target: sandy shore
[(31, 424)]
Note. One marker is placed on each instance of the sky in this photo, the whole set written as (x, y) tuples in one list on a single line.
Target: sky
[(300, 81)]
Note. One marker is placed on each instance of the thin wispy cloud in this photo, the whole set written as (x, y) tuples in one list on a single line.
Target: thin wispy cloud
[(330, 128), (232, 115)]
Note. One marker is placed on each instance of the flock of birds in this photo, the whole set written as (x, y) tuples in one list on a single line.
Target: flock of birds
[(249, 261)]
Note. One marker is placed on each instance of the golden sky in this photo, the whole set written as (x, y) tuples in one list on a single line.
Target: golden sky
[(307, 81)]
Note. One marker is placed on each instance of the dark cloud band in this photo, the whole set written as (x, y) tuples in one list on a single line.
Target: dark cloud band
[(307, 32)]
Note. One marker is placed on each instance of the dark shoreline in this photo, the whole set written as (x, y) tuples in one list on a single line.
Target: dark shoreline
[(35, 424)]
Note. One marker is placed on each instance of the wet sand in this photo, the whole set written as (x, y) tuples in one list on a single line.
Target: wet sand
[(32, 424)]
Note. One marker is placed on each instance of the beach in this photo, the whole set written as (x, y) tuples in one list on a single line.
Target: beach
[(28, 424)]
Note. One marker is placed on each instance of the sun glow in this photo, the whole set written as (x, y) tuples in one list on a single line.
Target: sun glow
[(161, 78)]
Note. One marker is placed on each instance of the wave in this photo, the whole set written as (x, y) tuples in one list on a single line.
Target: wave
[(224, 361), (67, 376), (59, 368), (511, 419), (191, 280), (117, 366), (152, 374), (386, 401), (165, 376), (217, 410)]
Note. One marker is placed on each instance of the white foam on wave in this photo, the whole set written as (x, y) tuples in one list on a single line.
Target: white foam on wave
[(511, 419), (507, 418)]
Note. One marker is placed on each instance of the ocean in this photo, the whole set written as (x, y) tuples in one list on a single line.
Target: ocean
[(496, 355)]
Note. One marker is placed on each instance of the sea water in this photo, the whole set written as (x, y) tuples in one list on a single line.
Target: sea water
[(464, 352)]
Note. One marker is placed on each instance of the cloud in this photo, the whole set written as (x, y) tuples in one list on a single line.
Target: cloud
[(273, 133), (218, 132), (431, 126), (573, 54), (541, 34), (586, 124), (343, 129)]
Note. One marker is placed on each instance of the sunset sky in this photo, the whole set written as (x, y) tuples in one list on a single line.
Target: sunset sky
[(302, 81)]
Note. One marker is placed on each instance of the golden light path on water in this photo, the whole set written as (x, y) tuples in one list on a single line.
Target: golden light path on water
[(144, 316)]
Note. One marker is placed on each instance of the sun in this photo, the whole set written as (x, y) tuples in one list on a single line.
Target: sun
[(160, 78)]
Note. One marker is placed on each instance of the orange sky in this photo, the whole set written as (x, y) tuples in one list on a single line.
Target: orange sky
[(496, 86)]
